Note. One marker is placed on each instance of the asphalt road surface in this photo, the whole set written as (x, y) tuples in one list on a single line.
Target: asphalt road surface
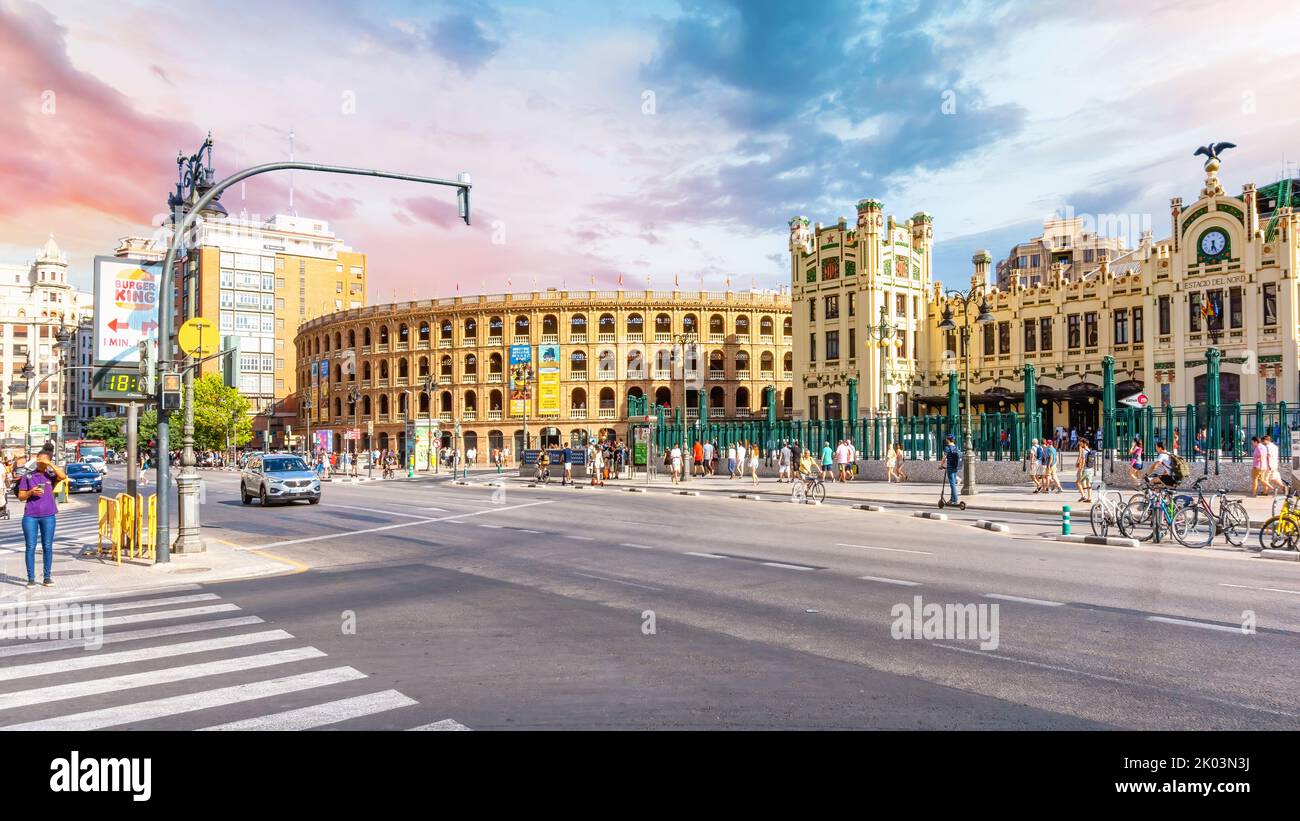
[(429, 605)]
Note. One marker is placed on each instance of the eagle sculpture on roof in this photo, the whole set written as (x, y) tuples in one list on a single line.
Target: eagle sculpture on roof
[(1213, 150)]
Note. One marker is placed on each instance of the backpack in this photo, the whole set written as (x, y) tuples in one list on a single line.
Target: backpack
[(953, 458), (1090, 461), (1178, 467)]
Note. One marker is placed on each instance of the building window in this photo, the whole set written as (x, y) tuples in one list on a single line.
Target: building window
[(853, 303), (1121, 326), (338, 287), (1234, 307), (900, 305), (1073, 339), (1045, 333), (1214, 310), (988, 339), (1090, 329), (812, 310), (1194, 311), (832, 346), (1004, 337), (1162, 316), (812, 408), (1270, 304), (1137, 324), (812, 347), (1031, 335), (832, 309)]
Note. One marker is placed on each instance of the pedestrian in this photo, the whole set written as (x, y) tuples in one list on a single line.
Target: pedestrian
[(36, 490), (742, 450), (1052, 465), (697, 459), (1085, 470), (676, 456), (1273, 468), (785, 461), (1135, 465), (891, 465), (950, 458), (842, 461), (707, 451), (828, 460), (1259, 455), (1034, 457), (1198, 444), (753, 463), (899, 458), (731, 461), (567, 478)]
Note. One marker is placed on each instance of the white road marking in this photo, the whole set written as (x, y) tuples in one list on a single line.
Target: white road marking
[(1023, 600), (159, 615), (190, 702), (494, 527), (524, 530), (884, 580), (130, 635), (1266, 589), (634, 544), (320, 715), (373, 510), (620, 581), (1202, 624), (784, 566), (445, 724), (84, 662), (114, 684), (704, 555), (890, 549), (180, 588), (351, 533), (582, 538)]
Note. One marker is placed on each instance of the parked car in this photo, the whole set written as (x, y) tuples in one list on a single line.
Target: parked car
[(278, 478), (84, 476), (96, 462)]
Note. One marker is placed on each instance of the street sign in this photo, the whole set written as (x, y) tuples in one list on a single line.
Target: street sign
[(126, 307), (1137, 400), (198, 337), (370, 428)]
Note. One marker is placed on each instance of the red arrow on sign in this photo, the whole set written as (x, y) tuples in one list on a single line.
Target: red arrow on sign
[(149, 326), (114, 325)]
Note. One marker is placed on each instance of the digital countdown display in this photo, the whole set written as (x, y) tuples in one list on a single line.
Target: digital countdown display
[(117, 384)]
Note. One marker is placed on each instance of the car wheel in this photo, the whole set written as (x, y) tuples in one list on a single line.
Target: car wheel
[(243, 494), (315, 501), (262, 496)]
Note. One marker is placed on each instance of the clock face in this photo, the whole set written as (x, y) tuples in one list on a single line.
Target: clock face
[(1213, 243)]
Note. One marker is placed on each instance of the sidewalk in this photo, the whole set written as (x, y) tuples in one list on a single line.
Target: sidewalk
[(79, 576)]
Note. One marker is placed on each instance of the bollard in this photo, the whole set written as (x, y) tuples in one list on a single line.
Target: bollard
[(1065, 520)]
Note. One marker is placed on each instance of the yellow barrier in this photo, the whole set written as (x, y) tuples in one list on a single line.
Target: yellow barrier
[(110, 528), (125, 527)]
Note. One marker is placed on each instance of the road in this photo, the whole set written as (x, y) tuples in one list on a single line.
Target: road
[(426, 604)]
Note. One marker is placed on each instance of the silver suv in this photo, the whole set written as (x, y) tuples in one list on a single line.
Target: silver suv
[(274, 477)]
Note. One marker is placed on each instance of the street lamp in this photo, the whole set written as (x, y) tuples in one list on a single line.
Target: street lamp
[(680, 343), (354, 397), (306, 405), (948, 325), (883, 335)]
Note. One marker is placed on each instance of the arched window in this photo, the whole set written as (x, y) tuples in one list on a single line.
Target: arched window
[(787, 326), (383, 404), (494, 400), (338, 373), (690, 324), (424, 367), (444, 402), (717, 362), (606, 364), (401, 404), (365, 405), (742, 398), (495, 327), (338, 407), (403, 333), (636, 365), (663, 324), (383, 369), (444, 330), (742, 361), (578, 364), (663, 359), (352, 338), (471, 329), (606, 324), (664, 397), (494, 363), (403, 368), (550, 325), (788, 400), (327, 343), (471, 401), (766, 362), (365, 370), (766, 326), (444, 366), (424, 332), (383, 334), (607, 399), (578, 399), (787, 363), (424, 402), (718, 398), (365, 337), (716, 325), (471, 365), (521, 325), (635, 324), (338, 340), (578, 326), (742, 325)]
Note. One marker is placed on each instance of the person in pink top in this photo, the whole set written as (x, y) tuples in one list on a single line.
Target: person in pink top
[(1259, 456)]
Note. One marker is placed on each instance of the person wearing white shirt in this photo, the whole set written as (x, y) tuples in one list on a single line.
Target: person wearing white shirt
[(708, 458), (783, 470), (676, 456), (741, 452), (731, 461)]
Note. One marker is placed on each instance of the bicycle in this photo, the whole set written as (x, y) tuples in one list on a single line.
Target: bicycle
[(1153, 508), (543, 474), (1282, 530), (1106, 510), (808, 487), (1232, 520)]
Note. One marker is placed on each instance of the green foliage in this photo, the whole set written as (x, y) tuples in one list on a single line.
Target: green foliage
[(112, 429), (219, 412)]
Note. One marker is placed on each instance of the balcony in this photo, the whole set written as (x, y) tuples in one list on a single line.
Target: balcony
[(578, 339), (445, 416), (743, 339), (717, 339), (521, 340), (444, 343), (469, 379), (422, 345), (495, 340), (494, 377), (663, 337), (716, 376), (766, 340), (606, 375), (494, 415), (550, 339), (692, 413), (469, 341), (381, 383), (742, 413), (400, 382), (399, 346), (742, 374), (468, 415), (365, 383), (365, 349), (767, 376), (663, 373), (717, 413), (635, 337), (578, 413), (607, 413), (382, 347), (604, 337)]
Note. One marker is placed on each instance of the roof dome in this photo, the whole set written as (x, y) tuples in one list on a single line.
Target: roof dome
[(51, 252)]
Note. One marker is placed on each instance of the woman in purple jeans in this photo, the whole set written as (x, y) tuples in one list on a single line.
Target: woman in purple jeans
[(36, 489)]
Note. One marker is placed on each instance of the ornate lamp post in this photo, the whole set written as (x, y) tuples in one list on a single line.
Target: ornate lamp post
[(306, 404), (883, 335), (947, 324), (354, 397), (681, 343)]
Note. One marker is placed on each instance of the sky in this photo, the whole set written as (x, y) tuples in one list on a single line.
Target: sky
[(660, 141)]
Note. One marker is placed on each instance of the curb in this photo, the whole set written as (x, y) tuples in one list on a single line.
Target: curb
[(635, 489), (930, 514), (686, 493), (752, 497), (1113, 541), (872, 508), (997, 527), (1283, 555)]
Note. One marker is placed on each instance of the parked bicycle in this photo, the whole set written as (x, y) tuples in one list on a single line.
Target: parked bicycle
[(1282, 530), (1154, 511), (1231, 520), (1105, 511)]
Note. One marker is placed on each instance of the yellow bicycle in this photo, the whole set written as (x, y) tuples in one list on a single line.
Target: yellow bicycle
[(1282, 532)]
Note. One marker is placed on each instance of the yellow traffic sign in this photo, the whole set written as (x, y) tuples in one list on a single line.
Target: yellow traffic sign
[(198, 337)]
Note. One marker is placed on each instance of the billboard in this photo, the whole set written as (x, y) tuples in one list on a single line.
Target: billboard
[(548, 380), (521, 372), (126, 308)]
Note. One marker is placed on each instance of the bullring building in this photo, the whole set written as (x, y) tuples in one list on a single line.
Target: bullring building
[(455, 361)]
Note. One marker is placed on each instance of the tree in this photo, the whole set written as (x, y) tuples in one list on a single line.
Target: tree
[(112, 429), (221, 416)]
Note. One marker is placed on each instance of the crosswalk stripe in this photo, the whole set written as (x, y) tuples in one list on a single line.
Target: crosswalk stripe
[(159, 615), (113, 684), (85, 662), (320, 715), (86, 597), (45, 615), (129, 635), (445, 724), (191, 702)]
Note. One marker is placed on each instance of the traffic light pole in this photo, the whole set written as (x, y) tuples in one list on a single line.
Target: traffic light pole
[(183, 220)]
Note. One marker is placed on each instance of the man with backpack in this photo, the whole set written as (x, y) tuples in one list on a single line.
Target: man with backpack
[(951, 460), (1051, 457), (1169, 468), (1087, 470), (1035, 459)]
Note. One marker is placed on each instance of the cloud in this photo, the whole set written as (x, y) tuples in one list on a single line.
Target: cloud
[(468, 36)]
